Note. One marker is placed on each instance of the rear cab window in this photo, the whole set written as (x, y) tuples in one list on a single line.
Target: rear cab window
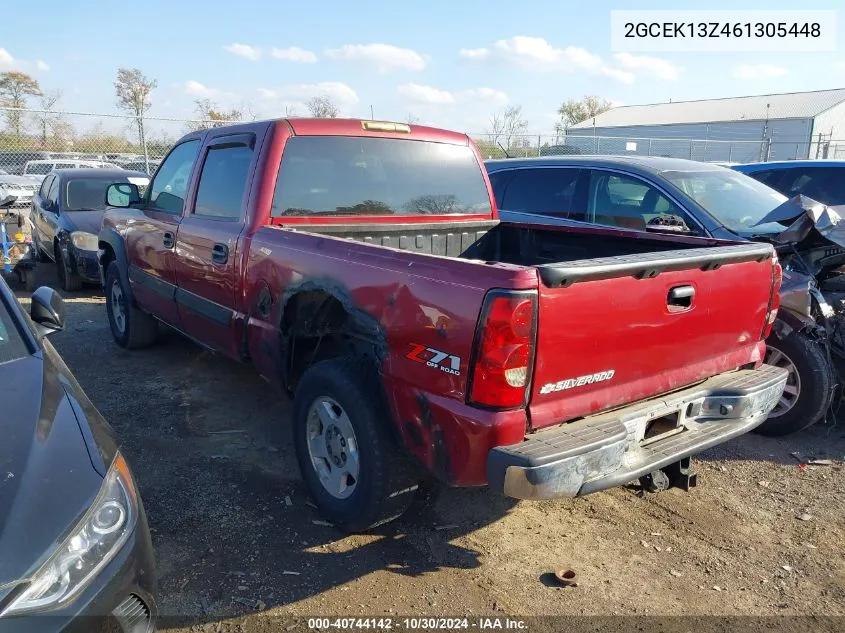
[(366, 176)]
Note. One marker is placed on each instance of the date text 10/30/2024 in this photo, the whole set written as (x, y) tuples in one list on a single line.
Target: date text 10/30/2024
[(417, 624)]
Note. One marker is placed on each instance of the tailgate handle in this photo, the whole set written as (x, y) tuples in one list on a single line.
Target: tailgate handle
[(680, 298)]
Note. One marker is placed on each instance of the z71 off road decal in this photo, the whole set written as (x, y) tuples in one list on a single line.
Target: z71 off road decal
[(435, 358), (580, 381)]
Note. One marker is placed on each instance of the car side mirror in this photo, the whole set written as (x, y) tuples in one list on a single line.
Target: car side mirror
[(47, 310), (123, 195)]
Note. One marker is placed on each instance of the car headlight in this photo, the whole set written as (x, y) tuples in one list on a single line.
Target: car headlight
[(91, 544), (84, 241)]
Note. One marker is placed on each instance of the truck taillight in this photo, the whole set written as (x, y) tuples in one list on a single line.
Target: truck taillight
[(774, 301), (504, 349)]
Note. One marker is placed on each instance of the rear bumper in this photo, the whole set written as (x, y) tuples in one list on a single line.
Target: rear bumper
[(608, 450)]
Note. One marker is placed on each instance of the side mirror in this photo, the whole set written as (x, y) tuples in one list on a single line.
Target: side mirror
[(123, 195), (47, 310)]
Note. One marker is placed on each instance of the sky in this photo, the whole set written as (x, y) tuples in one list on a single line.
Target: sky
[(448, 63)]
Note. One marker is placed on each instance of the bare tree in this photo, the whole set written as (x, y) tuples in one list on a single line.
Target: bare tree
[(497, 127), (514, 125), (412, 119), (322, 107), (574, 111), (211, 115), (133, 89), (46, 118), (15, 88)]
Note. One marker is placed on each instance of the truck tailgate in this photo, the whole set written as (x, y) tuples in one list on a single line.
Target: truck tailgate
[(616, 330)]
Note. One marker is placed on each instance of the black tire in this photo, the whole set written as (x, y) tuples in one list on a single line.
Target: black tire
[(27, 279), (816, 382), (387, 480), (139, 328), (68, 280)]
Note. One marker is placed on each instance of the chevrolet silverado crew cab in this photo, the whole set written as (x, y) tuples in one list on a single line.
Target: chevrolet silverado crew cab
[(361, 265)]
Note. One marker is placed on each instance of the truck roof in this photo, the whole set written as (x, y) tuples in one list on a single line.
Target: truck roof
[(353, 127)]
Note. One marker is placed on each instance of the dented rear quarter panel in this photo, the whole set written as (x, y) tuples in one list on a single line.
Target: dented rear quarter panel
[(415, 300)]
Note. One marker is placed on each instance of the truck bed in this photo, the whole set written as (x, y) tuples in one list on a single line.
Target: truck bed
[(645, 313)]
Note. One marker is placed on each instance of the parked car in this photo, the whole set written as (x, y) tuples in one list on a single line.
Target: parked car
[(41, 168), (74, 540), (17, 191), (13, 162), (66, 215), (821, 180), (652, 194), (367, 272), (141, 165)]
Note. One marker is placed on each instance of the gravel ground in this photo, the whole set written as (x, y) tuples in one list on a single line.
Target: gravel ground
[(235, 533)]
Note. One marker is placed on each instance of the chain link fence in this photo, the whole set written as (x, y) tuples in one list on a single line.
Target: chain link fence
[(705, 150), (32, 142)]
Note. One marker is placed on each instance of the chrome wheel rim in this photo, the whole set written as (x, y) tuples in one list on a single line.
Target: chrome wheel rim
[(792, 391), (118, 309), (333, 447)]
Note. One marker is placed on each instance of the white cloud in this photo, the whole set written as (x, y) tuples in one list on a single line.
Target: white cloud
[(488, 95), (196, 89), (759, 71), (384, 57), (9, 62), (6, 59), (294, 54), (416, 93), (535, 53), (244, 50), (293, 97), (428, 95), (654, 66), (624, 76)]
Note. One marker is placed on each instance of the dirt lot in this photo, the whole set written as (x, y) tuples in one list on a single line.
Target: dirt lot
[(235, 533)]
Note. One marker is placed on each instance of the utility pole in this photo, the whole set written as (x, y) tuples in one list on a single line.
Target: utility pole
[(372, 116)]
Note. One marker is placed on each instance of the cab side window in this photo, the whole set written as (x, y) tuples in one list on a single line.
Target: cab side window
[(546, 191), (170, 185)]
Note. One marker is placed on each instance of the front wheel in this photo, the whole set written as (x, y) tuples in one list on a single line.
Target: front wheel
[(809, 385), (130, 327), (351, 465)]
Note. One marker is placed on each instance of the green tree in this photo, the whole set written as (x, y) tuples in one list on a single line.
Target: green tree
[(576, 110), (15, 88)]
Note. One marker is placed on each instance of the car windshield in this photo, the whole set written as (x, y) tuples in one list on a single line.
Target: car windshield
[(12, 345), (736, 200), (86, 194)]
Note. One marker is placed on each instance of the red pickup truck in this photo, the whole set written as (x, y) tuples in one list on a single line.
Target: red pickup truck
[(361, 266)]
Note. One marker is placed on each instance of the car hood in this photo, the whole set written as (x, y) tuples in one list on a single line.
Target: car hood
[(47, 476), (88, 221), (11, 180), (807, 217)]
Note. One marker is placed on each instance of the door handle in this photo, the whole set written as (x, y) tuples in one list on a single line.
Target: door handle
[(680, 298), (220, 254), (168, 239)]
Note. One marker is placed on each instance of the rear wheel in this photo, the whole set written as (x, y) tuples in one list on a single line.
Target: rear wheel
[(40, 255), (809, 386), (130, 327), (27, 279), (350, 463)]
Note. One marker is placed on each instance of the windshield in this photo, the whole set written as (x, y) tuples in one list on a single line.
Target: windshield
[(736, 200), (40, 169), (346, 175), (86, 194), (12, 346)]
